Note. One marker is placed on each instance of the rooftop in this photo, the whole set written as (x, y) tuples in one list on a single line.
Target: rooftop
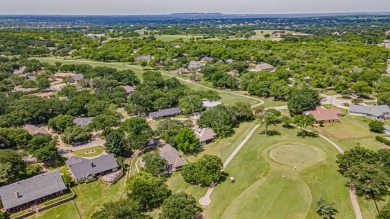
[(78, 77), (205, 134), (83, 121), (211, 103), (129, 89), (31, 189), (33, 130), (377, 110), (265, 67), (166, 112), (194, 64), (172, 156), (82, 168), (322, 114)]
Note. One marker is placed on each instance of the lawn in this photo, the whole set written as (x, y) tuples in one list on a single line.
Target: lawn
[(89, 198), (93, 195), (260, 190), (64, 211), (89, 152), (349, 128)]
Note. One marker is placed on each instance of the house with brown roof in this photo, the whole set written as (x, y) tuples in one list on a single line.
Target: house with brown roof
[(326, 115), (205, 135), (129, 89), (173, 157), (264, 67), (34, 130)]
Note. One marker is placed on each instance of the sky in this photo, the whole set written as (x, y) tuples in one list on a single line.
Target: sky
[(151, 7)]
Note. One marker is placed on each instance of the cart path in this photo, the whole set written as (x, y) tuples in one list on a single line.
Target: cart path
[(205, 200)]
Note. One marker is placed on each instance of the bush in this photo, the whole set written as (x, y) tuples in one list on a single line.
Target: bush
[(357, 101), (376, 126), (383, 140)]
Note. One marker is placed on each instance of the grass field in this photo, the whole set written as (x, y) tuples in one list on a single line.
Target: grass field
[(89, 152), (261, 192), (227, 98), (349, 127), (89, 198)]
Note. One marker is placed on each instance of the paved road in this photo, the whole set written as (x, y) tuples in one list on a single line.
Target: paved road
[(334, 101)]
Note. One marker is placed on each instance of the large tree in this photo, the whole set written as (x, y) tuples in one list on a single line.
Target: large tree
[(303, 121), (115, 143), (220, 118), (154, 163), (384, 98), (369, 180), (148, 190), (203, 172), (138, 132), (43, 147), (76, 134), (267, 119), (190, 104), (326, 210), (60, 123), (124, 208), (180, 206), (12, 167), (376, 126), (384, 213), (167, 129), (186, 140), (302, 100), (14, 138)]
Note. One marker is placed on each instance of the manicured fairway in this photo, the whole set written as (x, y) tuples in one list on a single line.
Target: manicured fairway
[(261, 191)]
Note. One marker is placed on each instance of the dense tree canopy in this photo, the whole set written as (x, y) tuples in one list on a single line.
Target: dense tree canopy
[(203, 172), (148, 190), (180, 205), (138, 132), (302, 100)]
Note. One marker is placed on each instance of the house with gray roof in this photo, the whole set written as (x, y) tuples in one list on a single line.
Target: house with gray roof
[(76, 78), (205, 135), (229, 61), (207, 59), (194, 65), (378, 112), (165, 113), (264, 67), (129, 89), (210, 103), (387, 130), (143, 58), (32, 191), (84, 169), (173, 157), (83, 121)]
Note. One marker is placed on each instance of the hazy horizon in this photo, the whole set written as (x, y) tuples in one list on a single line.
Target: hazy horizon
[(165, 7)]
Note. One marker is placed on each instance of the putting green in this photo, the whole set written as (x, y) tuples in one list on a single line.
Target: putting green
[(294, 154), (287, 185)]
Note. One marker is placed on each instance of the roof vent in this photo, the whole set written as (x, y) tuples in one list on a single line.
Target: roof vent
[(17, 194)]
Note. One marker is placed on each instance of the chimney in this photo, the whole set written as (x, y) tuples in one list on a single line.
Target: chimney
[(92, 164), (17, 194)]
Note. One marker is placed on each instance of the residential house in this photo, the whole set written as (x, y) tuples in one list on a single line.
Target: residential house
[(83, 121), (76, 78), (264, 67), (129, 89), (165, 113), (20, 71), (205, 135), (326, 115), (32, 191), (34, 130), (85, 169), (144, 58), (182, 71), (194, 65), (206, 59), (210, 103), (174, 160), (232, 73), (229, 61), (378, 112), (387, 130)]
